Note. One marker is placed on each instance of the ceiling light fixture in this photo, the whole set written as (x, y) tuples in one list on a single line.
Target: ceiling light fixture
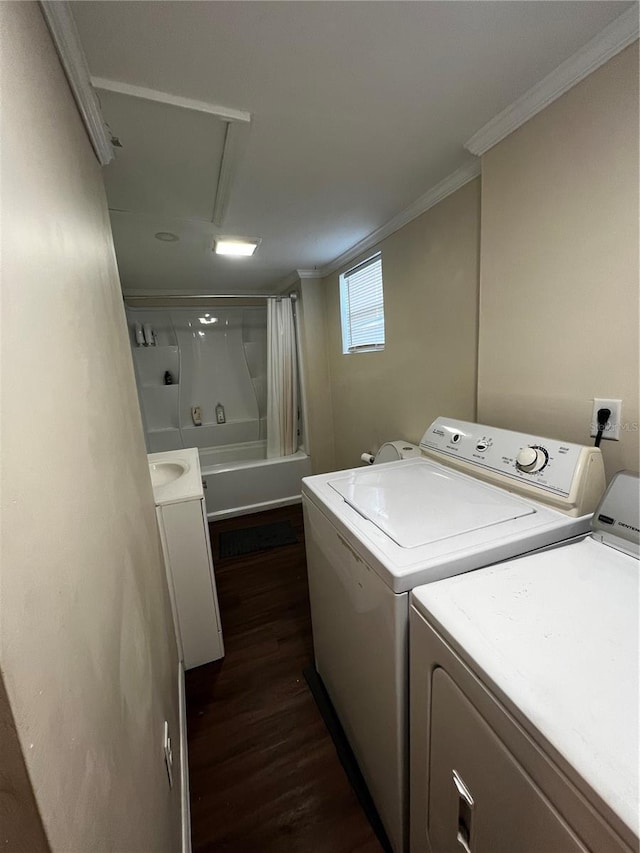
[(166, 237), (239, 247)]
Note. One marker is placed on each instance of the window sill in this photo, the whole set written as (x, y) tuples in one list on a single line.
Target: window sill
[(356, 350)]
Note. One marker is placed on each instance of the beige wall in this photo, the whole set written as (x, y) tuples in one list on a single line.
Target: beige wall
[(559, 265), (316, 381), (428, 366), (86, 644)]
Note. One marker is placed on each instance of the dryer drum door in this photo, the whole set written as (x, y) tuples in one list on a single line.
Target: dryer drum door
[(480, 799)]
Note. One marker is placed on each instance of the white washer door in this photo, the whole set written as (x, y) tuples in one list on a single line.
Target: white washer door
[(416, 503)]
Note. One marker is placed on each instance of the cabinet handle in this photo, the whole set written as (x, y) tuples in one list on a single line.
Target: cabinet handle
[(465, 813)]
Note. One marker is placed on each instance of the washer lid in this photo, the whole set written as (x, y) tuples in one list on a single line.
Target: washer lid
[(416, 503)]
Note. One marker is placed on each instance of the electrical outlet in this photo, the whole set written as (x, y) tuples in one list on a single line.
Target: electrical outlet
[(612, 428), (168, 754)]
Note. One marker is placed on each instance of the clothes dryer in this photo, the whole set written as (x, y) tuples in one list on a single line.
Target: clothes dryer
[(524, 686)]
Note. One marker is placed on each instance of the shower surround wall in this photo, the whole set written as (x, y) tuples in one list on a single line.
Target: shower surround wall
[(214, 356)]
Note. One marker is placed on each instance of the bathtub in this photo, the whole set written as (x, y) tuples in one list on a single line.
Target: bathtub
[(239, 479)]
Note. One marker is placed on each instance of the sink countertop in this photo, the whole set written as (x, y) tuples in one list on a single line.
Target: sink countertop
[(188, 486)]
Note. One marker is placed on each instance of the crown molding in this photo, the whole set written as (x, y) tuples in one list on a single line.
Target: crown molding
[(294, 278), (619, 34), (432, 197), (62, 27)]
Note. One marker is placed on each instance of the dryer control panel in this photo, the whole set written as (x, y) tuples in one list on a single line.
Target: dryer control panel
[(570, 476)]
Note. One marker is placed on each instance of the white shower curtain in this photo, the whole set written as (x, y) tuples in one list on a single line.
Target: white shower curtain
[(282, 379)]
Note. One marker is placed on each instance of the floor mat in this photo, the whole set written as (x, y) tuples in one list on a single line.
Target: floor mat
[(345, 754), (233, 543)]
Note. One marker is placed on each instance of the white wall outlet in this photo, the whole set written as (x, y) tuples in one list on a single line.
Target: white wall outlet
[(612, 428), (168, 754)]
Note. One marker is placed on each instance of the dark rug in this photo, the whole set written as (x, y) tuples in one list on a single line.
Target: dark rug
[(233, 543), (345, 754)]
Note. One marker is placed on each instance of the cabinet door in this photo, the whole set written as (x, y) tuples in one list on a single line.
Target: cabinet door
[(189, 561), (480, 799)]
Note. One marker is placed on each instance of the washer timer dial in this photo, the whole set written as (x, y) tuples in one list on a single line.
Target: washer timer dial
[(532, 459)]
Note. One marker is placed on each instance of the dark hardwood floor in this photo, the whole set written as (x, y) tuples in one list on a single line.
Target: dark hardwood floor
[(264, 774)]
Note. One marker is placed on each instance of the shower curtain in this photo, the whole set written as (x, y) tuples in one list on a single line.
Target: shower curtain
[(282, 379)]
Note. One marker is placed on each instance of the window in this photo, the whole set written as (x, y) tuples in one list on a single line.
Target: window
[(362, 307)]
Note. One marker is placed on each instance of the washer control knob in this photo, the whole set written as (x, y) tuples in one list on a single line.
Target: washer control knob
[(531, 459)]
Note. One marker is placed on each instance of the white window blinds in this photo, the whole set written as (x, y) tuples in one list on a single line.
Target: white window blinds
[(362, 307)]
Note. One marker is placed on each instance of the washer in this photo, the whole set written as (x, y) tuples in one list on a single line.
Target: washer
[(478, 495), (524, 692)]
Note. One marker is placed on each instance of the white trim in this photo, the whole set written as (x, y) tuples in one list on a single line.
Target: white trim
[(301, 274), (613, 39), (252, 508), (225, 113), (184, 764), (62, 27), (432, 197), (234, 142), (288, 282)]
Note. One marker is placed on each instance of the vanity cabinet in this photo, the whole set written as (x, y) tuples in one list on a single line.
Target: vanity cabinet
[(184, 533), (185, 541)]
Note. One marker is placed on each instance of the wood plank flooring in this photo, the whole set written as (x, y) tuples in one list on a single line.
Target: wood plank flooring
[(264, 774)]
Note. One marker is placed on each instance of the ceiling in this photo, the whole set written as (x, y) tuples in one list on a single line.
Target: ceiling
[(357, 109)]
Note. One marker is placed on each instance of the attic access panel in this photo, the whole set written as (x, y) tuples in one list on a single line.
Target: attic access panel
[(170, 158)]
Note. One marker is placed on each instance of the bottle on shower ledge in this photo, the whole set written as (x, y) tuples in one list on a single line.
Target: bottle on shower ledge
[(220, 415), (150, 339), (168, 378)]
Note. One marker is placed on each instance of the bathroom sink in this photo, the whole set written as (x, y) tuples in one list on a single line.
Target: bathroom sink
[(166, 472), (175, 476)]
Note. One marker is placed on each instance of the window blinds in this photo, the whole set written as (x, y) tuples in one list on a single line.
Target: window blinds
[(363, 306)]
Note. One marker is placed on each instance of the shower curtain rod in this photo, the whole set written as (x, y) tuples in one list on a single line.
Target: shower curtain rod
[(173, 296)]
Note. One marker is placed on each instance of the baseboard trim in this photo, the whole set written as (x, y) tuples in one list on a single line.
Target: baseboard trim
[(250, 509), (184, 765)]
